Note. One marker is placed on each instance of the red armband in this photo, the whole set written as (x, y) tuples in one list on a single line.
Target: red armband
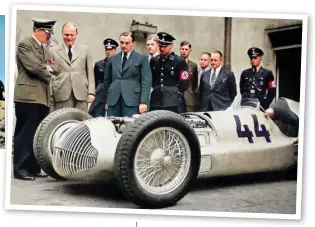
[(184, 75), (272, 84), (51, 61)]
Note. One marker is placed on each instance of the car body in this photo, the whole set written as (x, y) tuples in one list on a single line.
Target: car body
[(156, 157)]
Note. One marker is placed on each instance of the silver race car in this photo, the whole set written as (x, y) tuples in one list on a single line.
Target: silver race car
[(156, 157)]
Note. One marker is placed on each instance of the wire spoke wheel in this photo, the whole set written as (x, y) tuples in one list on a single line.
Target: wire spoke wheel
[(162, 160), (157, 159)]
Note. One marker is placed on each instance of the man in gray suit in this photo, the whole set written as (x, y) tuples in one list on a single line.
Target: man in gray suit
[(75, 86), (127, 80), (217, 85)]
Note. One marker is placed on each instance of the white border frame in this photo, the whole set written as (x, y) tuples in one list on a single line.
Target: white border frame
[(103, 9)]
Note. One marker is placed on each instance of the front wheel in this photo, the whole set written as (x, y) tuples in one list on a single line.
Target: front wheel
[(49, 131), (157, 159)]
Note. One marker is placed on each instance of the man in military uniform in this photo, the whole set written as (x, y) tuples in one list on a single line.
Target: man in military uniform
[(32, 96), (185, 50), (257, 82), (97, 108), (170, 77)]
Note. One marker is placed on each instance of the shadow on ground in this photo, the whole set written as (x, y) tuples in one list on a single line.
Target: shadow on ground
[(110, 191), (245, 179)]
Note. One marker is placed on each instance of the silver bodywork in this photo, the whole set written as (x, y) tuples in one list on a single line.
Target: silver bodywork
[(86, 150)]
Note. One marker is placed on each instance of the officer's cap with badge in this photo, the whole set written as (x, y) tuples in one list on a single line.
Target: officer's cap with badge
[(165, 39), (254, 52), (44, 24), (110, 44)]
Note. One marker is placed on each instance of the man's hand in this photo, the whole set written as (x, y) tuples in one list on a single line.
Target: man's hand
[(270, 112), (48, 67), (143, 108), (90, 98)]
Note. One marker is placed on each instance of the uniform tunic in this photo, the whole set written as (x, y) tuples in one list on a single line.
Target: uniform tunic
[(170, 79), (259, 85)]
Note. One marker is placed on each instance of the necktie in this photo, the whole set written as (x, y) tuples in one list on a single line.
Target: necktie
[(124, 60), (70, 53), (212, 79)]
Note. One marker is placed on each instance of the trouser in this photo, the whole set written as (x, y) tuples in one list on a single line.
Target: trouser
[(120, 109), (28, 117), (97, 109), (72, 102)]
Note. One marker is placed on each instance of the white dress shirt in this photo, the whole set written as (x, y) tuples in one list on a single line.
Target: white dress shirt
[(200, 72), (67, 48), (123, 53)]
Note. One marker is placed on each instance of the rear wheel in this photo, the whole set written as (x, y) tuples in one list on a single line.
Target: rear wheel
[(157, 159), (49, 131)]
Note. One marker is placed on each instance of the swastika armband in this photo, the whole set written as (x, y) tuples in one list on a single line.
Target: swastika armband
[(272, 84), (183, 75)]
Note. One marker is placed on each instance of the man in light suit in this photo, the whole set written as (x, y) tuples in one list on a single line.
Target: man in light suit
[(152, 46), (185, 49), (75, 86), (217, 85), (32, 98), (127, 80)]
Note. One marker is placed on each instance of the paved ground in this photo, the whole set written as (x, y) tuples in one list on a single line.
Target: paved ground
[(258, 193)]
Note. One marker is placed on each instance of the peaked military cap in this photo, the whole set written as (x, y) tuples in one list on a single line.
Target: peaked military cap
[(44, 24), (254, 52), (165, 39), (110, 44)]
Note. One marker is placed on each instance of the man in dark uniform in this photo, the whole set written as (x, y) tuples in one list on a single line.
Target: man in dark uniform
[(97, 108), (32, 96), (170, 77), (257, 82)]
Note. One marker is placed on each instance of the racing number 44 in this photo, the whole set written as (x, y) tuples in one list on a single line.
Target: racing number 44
[(248, 133)]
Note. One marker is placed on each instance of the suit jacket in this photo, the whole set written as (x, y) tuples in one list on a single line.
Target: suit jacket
[(76, 75), (222, 95), (193, 83), (32, 84), (133, 83)]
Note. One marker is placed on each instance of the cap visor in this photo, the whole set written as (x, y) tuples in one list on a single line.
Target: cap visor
[(48, 31), (164, 44)]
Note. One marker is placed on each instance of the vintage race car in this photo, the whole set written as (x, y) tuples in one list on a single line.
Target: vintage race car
[(156, 157)]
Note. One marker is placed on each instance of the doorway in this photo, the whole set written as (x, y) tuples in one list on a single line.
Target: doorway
[(289, 73), (287, 45)]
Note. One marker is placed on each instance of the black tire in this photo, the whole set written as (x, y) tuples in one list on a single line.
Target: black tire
[(126, 151), (42, 151)]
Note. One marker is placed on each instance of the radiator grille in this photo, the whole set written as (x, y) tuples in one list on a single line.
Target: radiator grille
[(74, 151)]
